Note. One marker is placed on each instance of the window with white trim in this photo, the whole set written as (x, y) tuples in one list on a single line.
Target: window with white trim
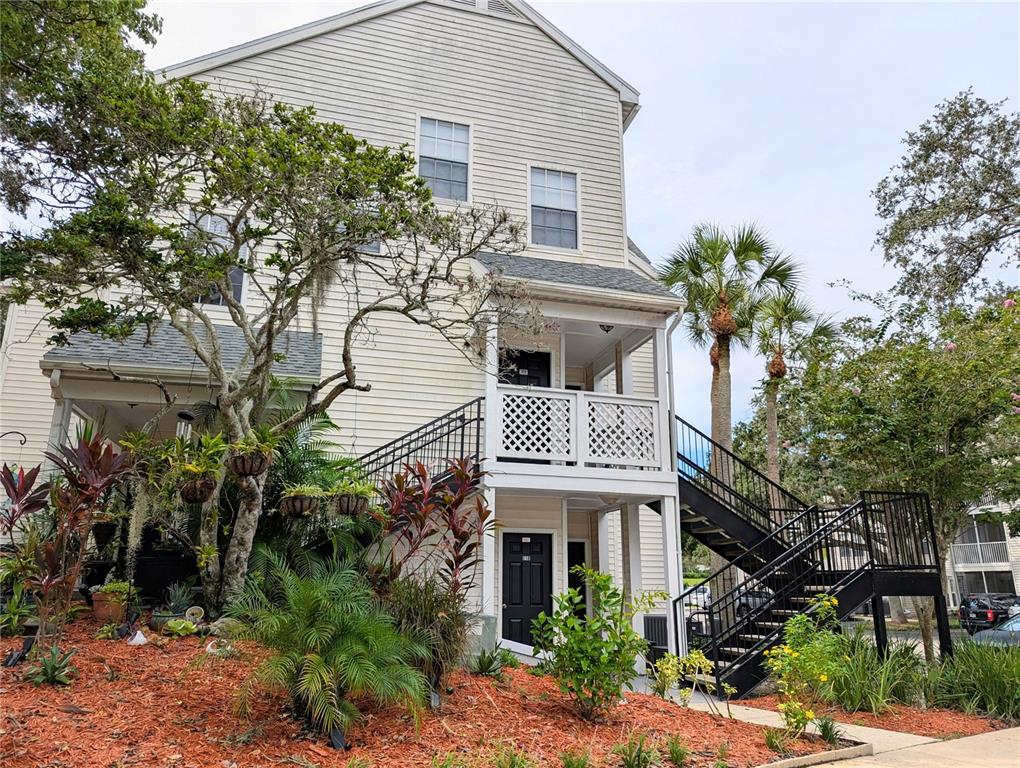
[(553, 208), (217, 227), (443, 151)]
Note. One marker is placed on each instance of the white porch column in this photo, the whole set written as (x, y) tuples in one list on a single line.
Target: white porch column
[(662, 384), (630, 526), (673, 572), (60, 421), (488, 602), (603, 541), (491, 445)]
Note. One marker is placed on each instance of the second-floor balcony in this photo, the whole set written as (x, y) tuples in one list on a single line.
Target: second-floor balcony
[(980, 553), (584, 429)]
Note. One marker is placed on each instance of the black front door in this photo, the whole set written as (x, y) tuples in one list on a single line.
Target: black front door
[(525, 368), (575, 556), (527, 582)]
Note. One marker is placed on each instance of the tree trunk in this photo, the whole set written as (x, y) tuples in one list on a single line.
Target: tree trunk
[(925, 608), (209, 560), (722, 409), (772, 429), (896, 612), (242, 535)]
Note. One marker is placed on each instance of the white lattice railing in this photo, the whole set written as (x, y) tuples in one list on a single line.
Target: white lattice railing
[(585, 428), (984, 552)]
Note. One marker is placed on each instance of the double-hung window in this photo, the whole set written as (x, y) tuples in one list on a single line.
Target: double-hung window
[(216, 226), (553, 208), (443, 149)]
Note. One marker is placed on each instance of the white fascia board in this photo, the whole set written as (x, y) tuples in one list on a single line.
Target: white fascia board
[(584, 294), (99, 370)]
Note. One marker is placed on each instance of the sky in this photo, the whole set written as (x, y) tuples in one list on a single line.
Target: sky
[(782, 114)]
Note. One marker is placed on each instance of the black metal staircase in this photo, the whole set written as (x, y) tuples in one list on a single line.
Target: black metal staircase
[(783, 553)]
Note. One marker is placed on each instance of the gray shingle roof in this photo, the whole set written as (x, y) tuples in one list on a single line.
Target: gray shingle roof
[(611, 278), (168, 351), (633, 248)]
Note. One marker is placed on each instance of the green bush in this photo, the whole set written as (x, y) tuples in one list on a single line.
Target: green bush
[(430, 612), (977, 678), (331, 643), (860, 680), (591, 657)]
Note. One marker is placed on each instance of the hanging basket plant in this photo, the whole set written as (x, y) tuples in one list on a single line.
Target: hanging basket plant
[(301, 500), (248, 464), (198, 490), (353, 497), (252, 455)]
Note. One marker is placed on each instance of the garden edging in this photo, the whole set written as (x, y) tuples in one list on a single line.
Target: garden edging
[(819, 758)]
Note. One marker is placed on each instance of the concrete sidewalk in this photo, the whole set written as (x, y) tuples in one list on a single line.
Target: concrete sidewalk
[(998, 749)]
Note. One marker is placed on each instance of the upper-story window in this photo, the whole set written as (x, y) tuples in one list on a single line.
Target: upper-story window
[(443, 149), (553, 208), (217, 227)]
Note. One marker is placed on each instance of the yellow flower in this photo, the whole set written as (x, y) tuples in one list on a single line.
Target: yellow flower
[(823, 678), (794, 654), (810, 714), (846, 658)]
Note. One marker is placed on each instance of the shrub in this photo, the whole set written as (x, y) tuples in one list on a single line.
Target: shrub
[(978, 678), (54, 668), (860, 680), (677, 751), (592, 657), (431, 613), (331, 643), (636, 753)]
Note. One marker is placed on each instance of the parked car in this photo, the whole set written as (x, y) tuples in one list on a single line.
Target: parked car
[(1006, 633), (700, 596), (984, 610), (751, 599), (1014, 609)]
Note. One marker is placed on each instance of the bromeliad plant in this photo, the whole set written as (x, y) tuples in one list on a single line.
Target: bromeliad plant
[(331, 643), (591, 657)]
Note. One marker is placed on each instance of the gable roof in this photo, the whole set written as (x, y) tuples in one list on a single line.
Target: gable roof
[(629, 96), (167, 351), (572, 273)]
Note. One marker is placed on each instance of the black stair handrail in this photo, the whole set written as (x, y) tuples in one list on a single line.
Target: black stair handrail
[(735, 482), (454, 435)]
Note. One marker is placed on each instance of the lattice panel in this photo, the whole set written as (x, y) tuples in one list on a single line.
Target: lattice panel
[(537, 426), (621, 433)]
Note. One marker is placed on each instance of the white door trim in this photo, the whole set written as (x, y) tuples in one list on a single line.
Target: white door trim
[(513, 646)]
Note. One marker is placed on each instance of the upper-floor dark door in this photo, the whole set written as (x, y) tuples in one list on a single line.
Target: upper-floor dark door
[(527, 582), (518, 366)]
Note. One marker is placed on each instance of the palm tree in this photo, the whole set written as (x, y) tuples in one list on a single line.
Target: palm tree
[(786, 328), (723, 278)]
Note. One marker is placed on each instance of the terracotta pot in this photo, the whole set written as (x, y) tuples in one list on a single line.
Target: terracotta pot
[(349, 504), (106, 609), (299, 506), (199, 490), (248, 464)]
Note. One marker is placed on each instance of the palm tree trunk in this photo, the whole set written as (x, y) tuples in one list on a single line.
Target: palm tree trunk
[(722, 407), (772, 429)]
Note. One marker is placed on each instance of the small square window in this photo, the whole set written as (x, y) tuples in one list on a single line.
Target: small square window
[(444, 148), (217, 227), (553, 208)]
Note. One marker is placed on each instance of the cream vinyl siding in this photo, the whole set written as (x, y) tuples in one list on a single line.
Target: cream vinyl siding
[(526, 99), (25, 401)]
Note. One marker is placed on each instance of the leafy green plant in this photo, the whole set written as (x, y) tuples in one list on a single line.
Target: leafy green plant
[(193, 459), (575, 760), (260, 440), (677, 751), (330, 643), (829, 730), (722, 754), (179, 628), (861, 680), (977, 678), (777, 740), (449, 760), (120, 592), (488, 664), (636, 753), (53, 668), (508, 658), (310, 491), (179, 596), (508, 757), (353, 486), (427, 610), (665, 674), (107, 632), (592, 656), (16, 609)]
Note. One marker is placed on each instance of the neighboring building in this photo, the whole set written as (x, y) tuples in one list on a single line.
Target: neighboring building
[(502, 108), (984, 558)]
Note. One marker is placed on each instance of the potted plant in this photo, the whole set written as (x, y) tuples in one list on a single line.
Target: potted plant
[(251, 455), (301, 500), (196, 466), (178, 600), (353, 496), (109, 601)]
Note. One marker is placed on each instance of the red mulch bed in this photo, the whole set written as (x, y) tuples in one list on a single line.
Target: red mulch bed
[(935, 723), (143, 706)]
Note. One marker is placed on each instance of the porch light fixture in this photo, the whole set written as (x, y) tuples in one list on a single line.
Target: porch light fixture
[(184, 419), (606, 328)]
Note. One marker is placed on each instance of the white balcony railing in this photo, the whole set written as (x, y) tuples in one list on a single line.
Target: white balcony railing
[(983, 552), (583, 428)]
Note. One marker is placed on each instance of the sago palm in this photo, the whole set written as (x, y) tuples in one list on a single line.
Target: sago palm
[(723, 277), (786, 328), (332, 643)]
